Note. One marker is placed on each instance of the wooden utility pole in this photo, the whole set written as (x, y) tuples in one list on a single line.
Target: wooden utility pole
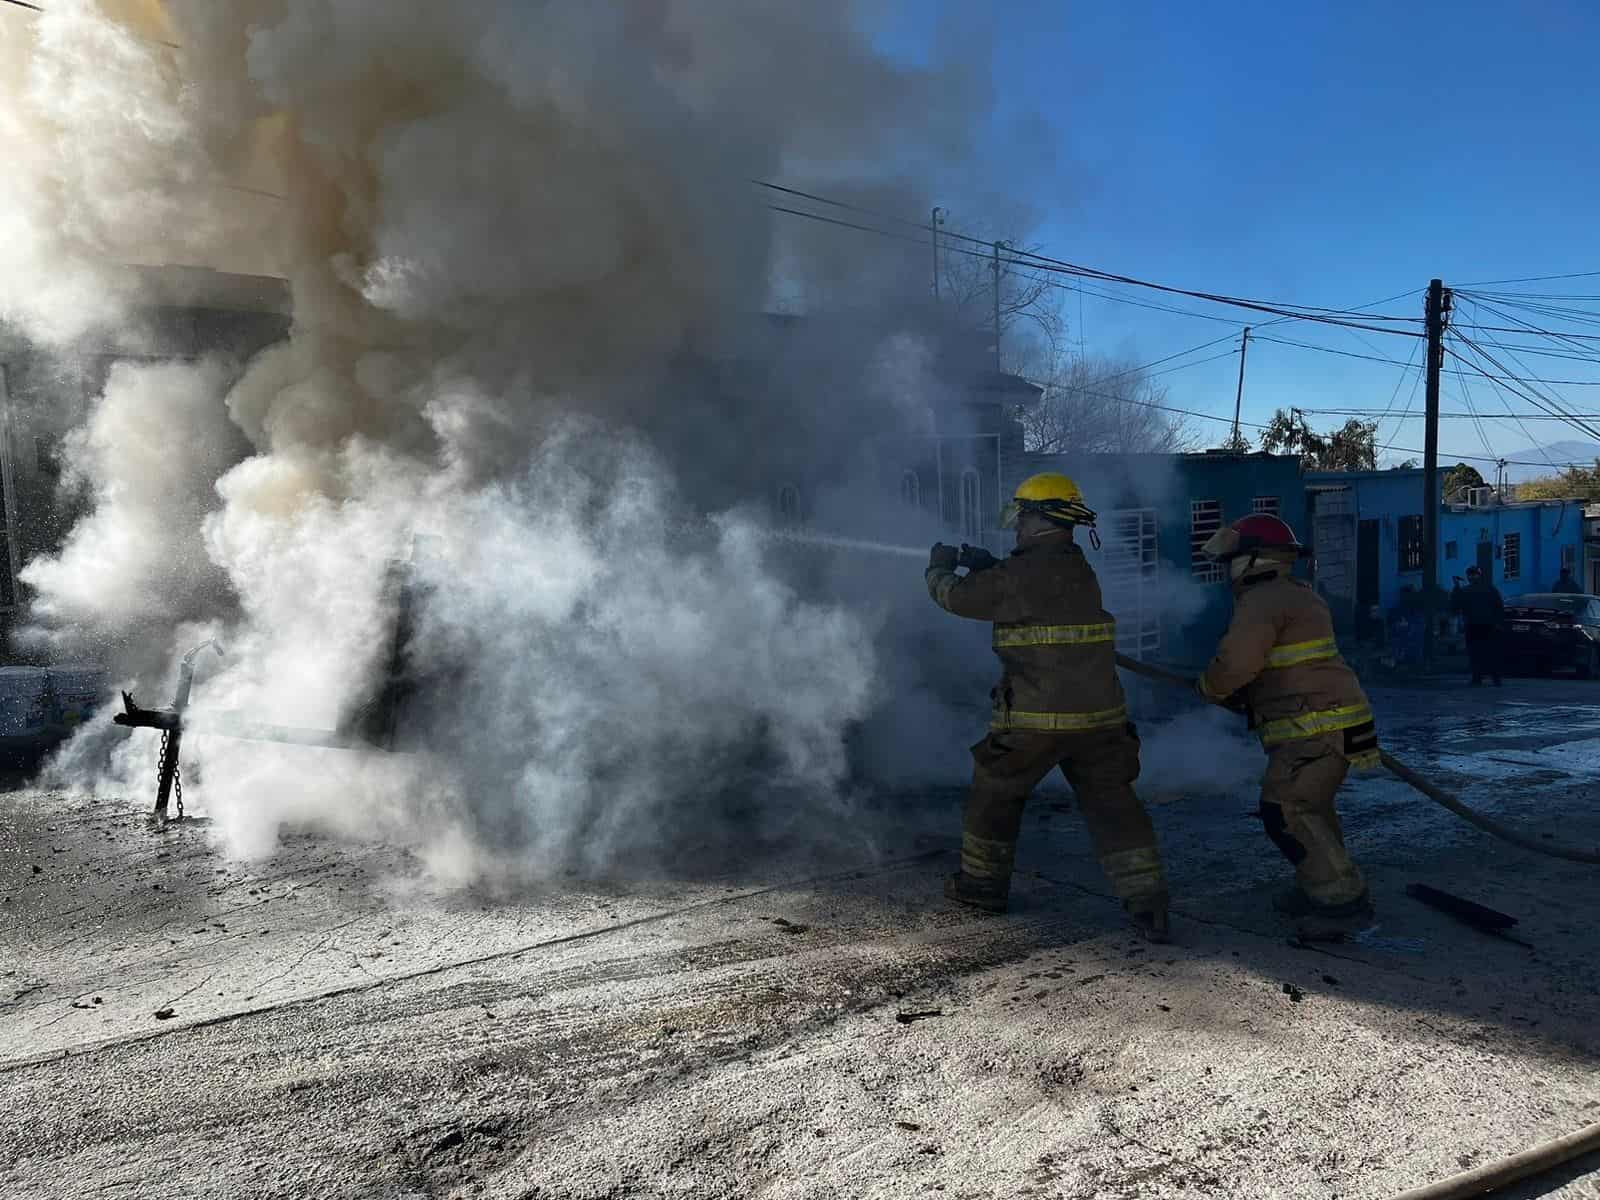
[(996, 269), (935, 220), (1434, 311), (1238, 397)]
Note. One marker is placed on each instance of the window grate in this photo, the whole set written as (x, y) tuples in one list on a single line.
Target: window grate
[(971, 504), (1511, 557), (911, 490), (1128, 576), (1205, 518), (1266, 505), (1410, 543)]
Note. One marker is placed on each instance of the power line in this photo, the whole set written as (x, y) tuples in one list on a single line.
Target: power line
[(25, 4), (1331, 350), (1041, 262), (1400, 383), (1401, 423), (1189, 412), (1466, 395), (1532, 395), (1533, 279)]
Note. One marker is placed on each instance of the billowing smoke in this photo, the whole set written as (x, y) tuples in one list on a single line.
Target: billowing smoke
[(523, 257), (524, 264)]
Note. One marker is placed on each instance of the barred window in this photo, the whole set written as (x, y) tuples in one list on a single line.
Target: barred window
[(1129, 570), (1268, 505), (971, 504), (1511, 557), (911, 490), (1205, 518), (1410, 541)]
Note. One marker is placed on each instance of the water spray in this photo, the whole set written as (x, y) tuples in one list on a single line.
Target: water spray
[(837, 542)]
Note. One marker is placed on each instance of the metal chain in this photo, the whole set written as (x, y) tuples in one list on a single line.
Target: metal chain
[(177, 772), (161, 757)]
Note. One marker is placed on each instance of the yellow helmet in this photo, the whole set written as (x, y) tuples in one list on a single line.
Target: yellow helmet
[(1052, 496)]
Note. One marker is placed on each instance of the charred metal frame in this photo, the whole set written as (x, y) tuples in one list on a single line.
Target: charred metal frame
[(373, 726)]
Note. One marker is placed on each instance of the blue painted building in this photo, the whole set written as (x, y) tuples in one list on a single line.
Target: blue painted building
[(1367, 533), (1155, 512)]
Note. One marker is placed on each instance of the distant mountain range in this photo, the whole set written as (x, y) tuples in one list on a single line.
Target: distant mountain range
[(1560, 453)]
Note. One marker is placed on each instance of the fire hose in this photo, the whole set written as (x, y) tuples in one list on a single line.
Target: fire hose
[(1536, 1159), (1411, 778)]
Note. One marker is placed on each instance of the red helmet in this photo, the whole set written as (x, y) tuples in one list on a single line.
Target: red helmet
[(1251, 535)]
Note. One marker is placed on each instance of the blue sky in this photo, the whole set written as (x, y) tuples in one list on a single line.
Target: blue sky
[(1326, 154)]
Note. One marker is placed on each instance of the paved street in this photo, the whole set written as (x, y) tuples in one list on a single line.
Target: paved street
[(819, 1022)]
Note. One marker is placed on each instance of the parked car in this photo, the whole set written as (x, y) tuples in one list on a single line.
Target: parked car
[(1551, 631)]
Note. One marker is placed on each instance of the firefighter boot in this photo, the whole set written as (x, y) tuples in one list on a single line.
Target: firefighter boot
[(988, 895), (1149, 916)]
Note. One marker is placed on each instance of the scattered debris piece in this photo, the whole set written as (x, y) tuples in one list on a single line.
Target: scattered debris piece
[(1489, 920), (37, 869), (166, 1014), (1295, 994), (1164, 1007), (909, 1126), (788, 926), (1330, 981), (922, 1014)]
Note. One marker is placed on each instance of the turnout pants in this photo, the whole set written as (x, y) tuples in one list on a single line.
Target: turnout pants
[(1101, 766), (1297, 809)]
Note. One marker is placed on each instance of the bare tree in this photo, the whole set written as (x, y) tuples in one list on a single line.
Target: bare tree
[(1031, 324), (1101, 406), (1090, 405)]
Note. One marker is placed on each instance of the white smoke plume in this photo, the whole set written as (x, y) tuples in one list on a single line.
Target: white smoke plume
[(505, 226)]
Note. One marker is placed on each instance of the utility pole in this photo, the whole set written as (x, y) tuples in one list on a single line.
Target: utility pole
[(1435, 312), (935, 220), (996, 269), (1238, 397)]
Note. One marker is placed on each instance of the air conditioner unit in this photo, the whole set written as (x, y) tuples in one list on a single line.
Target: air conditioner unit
[(1480, 497)]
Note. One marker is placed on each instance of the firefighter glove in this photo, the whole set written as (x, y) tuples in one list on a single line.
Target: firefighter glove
[(944, 558), (976, 558)]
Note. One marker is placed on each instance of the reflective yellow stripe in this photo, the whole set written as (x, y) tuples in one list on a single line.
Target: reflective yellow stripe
[(1367, 760), (1054, 635), (1296, 653), (1313, 724), (1060, 722)]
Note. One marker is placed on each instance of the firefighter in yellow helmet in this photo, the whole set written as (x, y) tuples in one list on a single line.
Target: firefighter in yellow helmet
[(1058, 704), (1280, 663)]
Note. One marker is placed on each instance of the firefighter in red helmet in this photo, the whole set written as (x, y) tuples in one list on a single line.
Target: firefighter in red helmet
[(1279, 661)]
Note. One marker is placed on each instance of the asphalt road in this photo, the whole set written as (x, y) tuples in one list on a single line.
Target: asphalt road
[(815, 1021)]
